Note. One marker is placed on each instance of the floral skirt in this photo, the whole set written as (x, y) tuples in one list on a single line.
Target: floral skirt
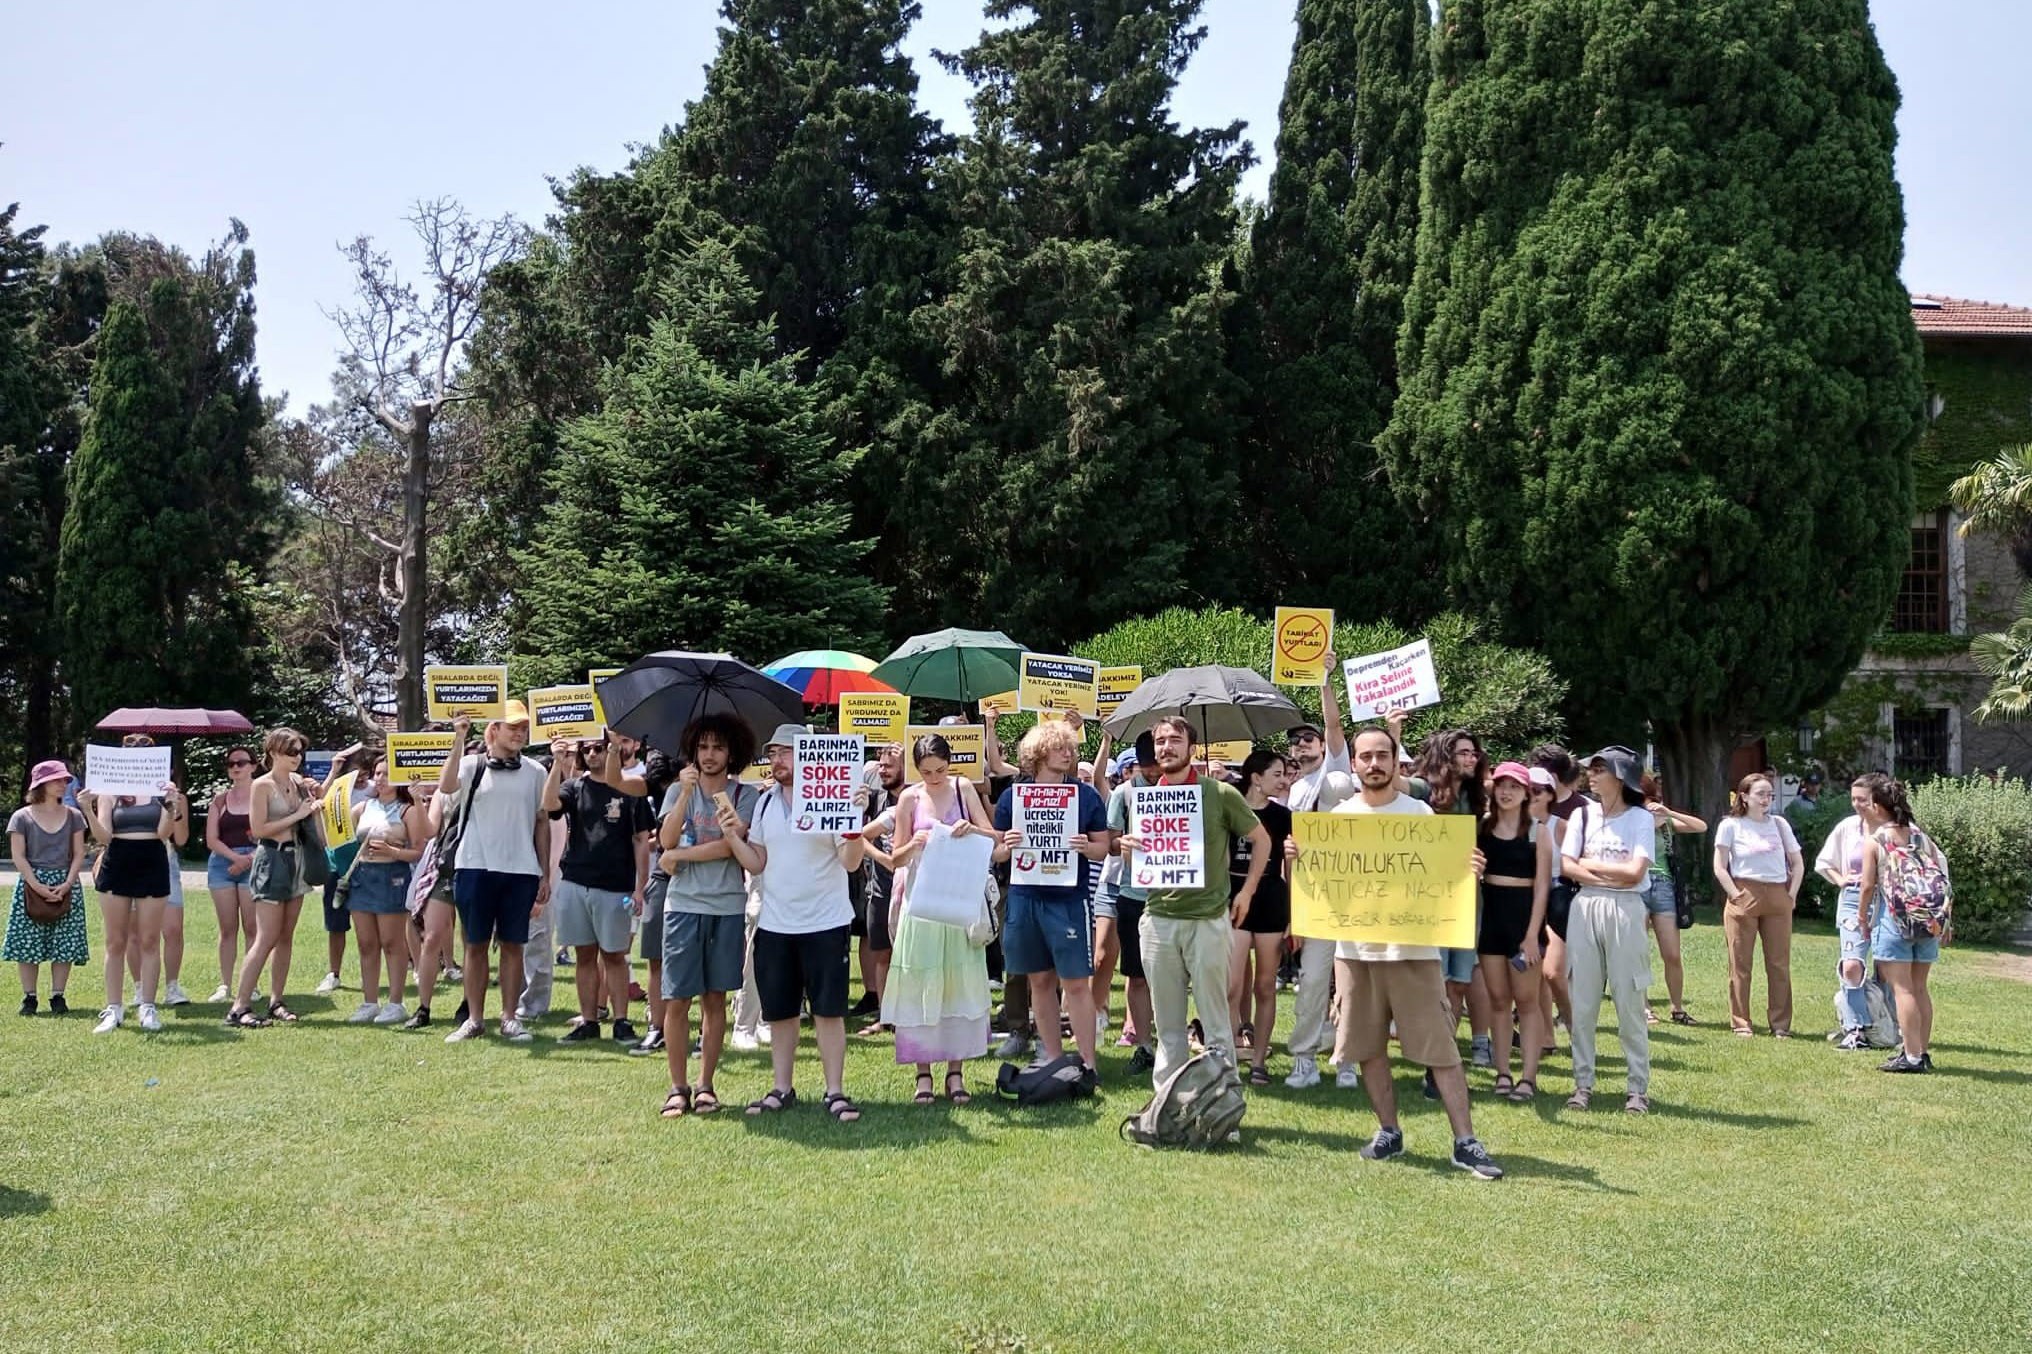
[(937, 994), (58, 942)]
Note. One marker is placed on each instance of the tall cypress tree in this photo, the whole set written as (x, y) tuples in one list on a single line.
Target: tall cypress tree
[(700, 507), (29, 396), (1078, 461), (1328, 264), (1660, 376)]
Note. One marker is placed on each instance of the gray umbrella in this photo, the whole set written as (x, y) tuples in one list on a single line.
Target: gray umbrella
[(1220, 703), (658, 695)]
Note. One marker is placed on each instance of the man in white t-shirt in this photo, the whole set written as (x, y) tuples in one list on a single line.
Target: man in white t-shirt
[(803, 932), (1404, 984), (1320, 755)]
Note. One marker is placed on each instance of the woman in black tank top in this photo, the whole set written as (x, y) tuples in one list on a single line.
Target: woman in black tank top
[(1515, 885)]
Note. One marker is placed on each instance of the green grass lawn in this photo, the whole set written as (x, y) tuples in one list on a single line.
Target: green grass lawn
[(328, 1186)]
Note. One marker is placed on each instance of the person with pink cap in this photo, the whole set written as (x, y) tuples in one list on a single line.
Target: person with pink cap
[(46, 838), (1514, 892)]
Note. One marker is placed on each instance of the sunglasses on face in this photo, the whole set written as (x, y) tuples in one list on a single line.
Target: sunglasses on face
[(238, 762)]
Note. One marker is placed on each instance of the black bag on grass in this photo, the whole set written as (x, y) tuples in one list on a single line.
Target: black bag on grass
[(1045, 1084)]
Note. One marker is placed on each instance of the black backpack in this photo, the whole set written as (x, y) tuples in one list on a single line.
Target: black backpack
[(1045, 1084)]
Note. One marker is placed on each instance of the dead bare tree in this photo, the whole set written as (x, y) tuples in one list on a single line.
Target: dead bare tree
[(401, 365)]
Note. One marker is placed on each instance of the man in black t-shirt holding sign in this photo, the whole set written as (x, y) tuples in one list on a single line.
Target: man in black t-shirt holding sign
[(601, 878)]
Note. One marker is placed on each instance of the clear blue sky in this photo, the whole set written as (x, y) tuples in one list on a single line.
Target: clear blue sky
[(316, 122)]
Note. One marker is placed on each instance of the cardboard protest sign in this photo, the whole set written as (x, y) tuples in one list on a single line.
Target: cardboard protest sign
[(1114, 688), (594, 676), (337, 811), (825, 772), (1398, 679), (878, 716), (562, 712), (1052, 682), (1171, 821), (1001, 703), (1387, 878), (757, 772), (969, 743), (140, 772), (1304, 634), (1233, 752), (1048, 818), (480, 693), (417, 758)]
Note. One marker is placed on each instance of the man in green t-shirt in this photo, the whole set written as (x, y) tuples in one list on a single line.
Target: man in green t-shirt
[(1185, 924)]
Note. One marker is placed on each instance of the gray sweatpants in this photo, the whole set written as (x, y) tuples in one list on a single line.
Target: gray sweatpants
[(1606, 945)]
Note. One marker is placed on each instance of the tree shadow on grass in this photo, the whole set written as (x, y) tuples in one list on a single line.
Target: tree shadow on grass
[(1997, 1075), (22, 1203), (1253, 1139), (886, 1124)]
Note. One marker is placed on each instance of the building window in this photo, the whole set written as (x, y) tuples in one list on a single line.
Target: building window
[(1922, 593), (1921, 744)]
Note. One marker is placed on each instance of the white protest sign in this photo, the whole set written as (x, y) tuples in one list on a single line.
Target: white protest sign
[(1399, 679), (1047, 816), (949, 882), (140, 772), (1171, 822), (825, 772)]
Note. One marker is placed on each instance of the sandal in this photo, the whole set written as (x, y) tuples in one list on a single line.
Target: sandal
[(703, 1101), (925, 1095), (956, 1088), (1259, 1075), (1637, 1104), (1680, 1017), (277, 1011), (677, 1104), (773, 1102), (1650, 1016), (840, 1107), (1524, 1092), (1504, 1085), (1580, 1097), (245, 1019)]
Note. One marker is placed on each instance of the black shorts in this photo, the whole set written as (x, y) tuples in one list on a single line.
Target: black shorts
[(134, 869), (1129, 926), (791, 970), (875, 910), (494, 906), (1269, 911), (338, 918)]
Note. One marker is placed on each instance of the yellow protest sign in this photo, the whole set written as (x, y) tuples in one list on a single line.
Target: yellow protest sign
[(562, 712), (969, 743), (1054, 682), (337, 813), (481, 693), (1304, 635), (1114, 688), (878, 716), (594, 676), (1234, 752), (1001, 703), (417, 758), (1387, 878), (757, 772)]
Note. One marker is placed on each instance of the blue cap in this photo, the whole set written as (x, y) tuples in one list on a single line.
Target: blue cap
[(1124, 763)]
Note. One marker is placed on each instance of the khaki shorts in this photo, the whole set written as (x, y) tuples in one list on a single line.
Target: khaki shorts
[(1410, 991)]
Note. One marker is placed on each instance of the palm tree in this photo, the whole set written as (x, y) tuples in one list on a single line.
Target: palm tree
[(1997, 496), (2006, 659)]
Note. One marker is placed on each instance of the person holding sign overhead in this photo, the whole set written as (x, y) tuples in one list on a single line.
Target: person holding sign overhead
[(133, 885), (1180, 837), (1049, 934), (1386, 984)]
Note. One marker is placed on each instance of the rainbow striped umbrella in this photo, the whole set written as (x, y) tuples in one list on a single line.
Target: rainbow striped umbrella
[(821, 675)]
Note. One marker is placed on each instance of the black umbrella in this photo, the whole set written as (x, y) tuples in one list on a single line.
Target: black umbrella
[(1221, 704), (657, 697)]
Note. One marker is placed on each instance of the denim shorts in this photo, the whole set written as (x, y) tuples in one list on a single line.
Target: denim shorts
[(216, 875), (1458, 966), (1662, 898), (1890, 947), (1105, 896), (379, 888)]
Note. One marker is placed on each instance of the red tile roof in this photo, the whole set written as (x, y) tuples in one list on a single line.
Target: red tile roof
[(1952, 317)]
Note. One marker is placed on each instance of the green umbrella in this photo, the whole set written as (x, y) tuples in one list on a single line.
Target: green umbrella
[(953, 665)]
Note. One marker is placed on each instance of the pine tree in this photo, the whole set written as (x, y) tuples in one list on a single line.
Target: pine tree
[(1077, 461), (1328, 264), (700, 507), (1660, 376)]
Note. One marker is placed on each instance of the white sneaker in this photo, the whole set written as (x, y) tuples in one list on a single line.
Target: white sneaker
[(174, 995), (1349, 1078), (329, 985), (222, 993), (744, 1043), (109, 1020), (150, 1021), (364, 1012), (390, 1013), (764, 1035), (470, 1030), (513, 1031), (1304, 1072)]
